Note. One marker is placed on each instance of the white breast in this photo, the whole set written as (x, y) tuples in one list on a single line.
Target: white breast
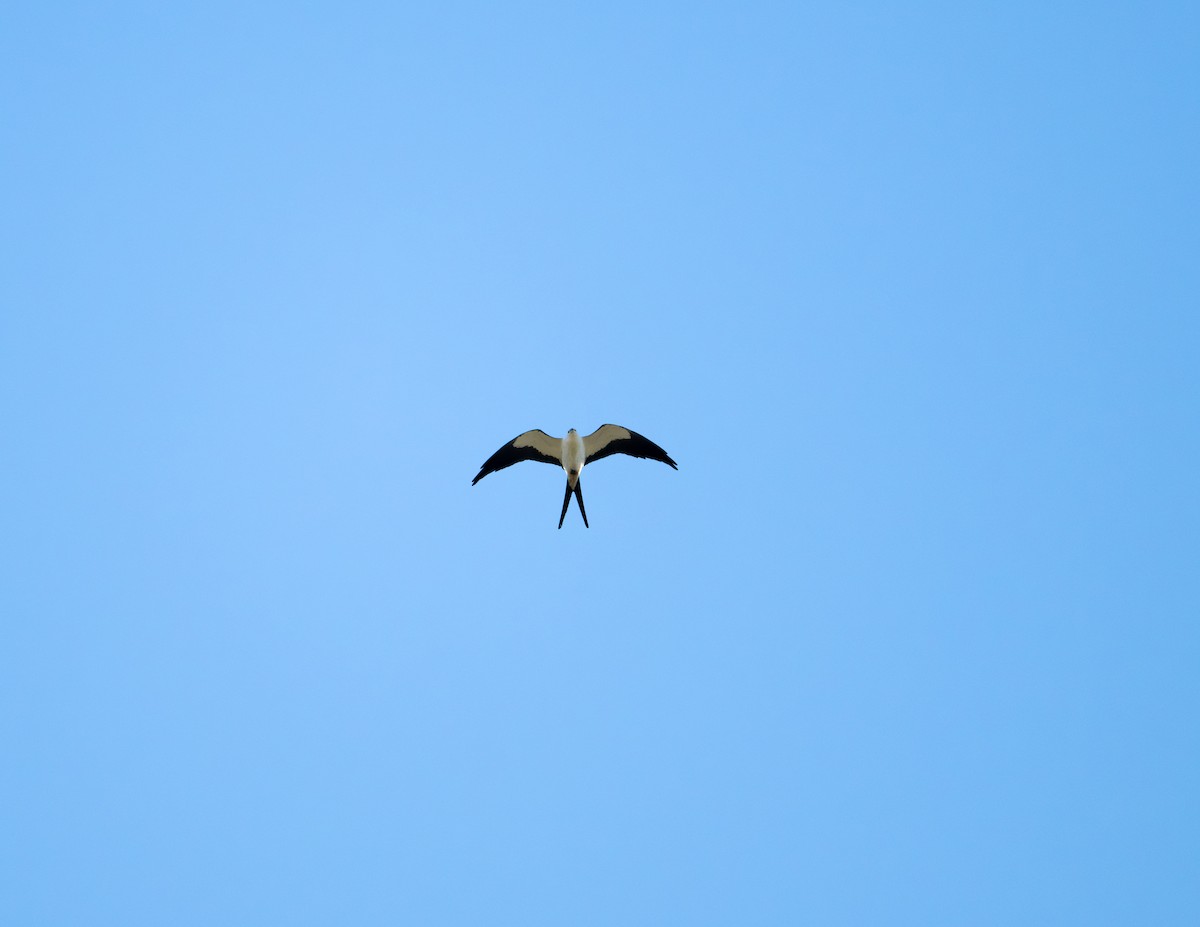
[(572, 455)]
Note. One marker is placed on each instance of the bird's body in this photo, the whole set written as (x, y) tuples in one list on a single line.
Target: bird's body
[(573, 457), (573, 453)]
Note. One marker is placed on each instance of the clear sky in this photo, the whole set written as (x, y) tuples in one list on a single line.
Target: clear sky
[(910, 291)]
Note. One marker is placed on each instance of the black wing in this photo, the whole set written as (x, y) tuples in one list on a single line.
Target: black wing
[(613, 439), (532, 445)]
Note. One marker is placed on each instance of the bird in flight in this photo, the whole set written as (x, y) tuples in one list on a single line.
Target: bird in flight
[(572, 453)]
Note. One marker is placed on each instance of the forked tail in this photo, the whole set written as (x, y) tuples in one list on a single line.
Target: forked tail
[(567, 501)]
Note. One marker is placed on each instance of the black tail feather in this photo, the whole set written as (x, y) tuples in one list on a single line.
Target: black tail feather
[(579, 496), (566, 502)]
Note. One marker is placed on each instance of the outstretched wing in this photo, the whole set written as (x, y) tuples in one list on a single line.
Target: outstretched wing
[(532, 445), (613, 439)]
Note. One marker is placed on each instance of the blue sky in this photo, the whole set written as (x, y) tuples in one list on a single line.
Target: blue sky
[(910, 293)]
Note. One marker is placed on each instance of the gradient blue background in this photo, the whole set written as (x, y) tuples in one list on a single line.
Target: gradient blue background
[(911, 293)]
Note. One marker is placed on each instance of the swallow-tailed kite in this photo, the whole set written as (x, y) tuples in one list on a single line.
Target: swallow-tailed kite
[(572, 453)]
